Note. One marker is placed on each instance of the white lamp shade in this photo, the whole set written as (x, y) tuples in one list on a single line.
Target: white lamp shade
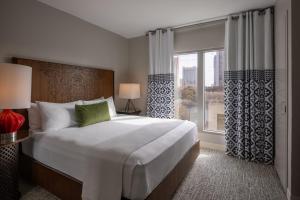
[(129, 91), (15, 86)]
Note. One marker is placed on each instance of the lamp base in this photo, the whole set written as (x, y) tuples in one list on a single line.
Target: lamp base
[(10, 121), (8, 137), (127, 107)]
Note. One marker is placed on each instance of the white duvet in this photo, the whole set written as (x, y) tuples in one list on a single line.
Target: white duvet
[(104, 176), (105, 148)]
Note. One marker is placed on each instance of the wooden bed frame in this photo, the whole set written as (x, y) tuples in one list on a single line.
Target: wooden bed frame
[(59, 83)]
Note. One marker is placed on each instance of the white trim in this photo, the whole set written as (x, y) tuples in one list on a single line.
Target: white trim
[(209, 145)]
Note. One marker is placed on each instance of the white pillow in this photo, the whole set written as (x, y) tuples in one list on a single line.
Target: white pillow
[(56, 116), (93, 101), (34, 117), (111, 106), (110, 102)]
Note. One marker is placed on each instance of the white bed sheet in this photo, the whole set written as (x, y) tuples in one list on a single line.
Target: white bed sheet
[(64, 150)]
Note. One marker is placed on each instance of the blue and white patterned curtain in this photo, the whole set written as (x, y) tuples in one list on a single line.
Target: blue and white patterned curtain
[(160, 95), (249, 86)]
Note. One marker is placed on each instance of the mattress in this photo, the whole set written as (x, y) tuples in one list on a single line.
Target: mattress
[(145, 168)]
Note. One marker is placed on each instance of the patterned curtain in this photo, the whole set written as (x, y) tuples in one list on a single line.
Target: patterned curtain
[(161, 88), (249, 86)]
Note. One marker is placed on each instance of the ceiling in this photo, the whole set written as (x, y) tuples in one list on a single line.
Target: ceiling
[(132, 18)]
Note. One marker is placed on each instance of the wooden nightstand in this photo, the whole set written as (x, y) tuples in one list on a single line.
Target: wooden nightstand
[(130, 112), (9, 155)]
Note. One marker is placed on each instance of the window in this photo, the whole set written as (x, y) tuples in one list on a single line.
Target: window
[(200, 89), (186, 86), (213, 65)]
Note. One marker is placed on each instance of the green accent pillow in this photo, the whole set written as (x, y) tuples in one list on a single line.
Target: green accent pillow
[(92, 114)]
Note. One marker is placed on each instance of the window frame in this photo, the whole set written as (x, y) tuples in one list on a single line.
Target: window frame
[(201, 87)]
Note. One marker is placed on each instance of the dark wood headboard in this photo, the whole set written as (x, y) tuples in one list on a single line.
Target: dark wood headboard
[(60, 83)]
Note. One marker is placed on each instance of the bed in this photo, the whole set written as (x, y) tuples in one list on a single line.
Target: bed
[(57, 160)]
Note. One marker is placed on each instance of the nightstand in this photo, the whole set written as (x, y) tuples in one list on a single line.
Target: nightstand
[(130, 112), (9, 155)]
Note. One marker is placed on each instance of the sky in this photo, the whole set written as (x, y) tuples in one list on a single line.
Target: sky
[(209, 67), (191, 60)]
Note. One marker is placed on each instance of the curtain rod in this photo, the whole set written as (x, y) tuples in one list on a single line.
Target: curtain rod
[(252, 10), (214, 19), (260, 11)]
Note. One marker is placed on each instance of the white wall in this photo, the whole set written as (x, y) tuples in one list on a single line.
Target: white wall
[(30, 29), (139, 67), (287, 42), (281, 90)]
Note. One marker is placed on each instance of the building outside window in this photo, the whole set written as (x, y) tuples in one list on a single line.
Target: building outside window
[(200, 89)]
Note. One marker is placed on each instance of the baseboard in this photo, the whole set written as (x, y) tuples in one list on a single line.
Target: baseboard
[(209, 145), (290, 196)]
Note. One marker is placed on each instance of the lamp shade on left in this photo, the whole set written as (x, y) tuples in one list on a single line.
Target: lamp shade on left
[(15, 86), (15, 93)]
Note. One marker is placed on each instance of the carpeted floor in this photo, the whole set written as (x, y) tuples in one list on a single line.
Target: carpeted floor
[(214, 176)]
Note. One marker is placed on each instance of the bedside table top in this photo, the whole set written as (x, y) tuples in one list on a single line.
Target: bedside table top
[(130, 112), (21, 136)]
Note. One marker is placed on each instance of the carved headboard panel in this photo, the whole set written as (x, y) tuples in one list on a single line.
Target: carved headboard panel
[(60, 83)]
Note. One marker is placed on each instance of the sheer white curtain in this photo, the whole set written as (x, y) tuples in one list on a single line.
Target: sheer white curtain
[(249, 86), (160, 95)]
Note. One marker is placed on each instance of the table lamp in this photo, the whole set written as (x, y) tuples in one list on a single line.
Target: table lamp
[(15, 93), (129, 91)]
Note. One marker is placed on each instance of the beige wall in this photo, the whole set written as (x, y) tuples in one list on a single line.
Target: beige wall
[(281, 90), (200, 37), (31, 29), (139, 67), (287, 48)]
